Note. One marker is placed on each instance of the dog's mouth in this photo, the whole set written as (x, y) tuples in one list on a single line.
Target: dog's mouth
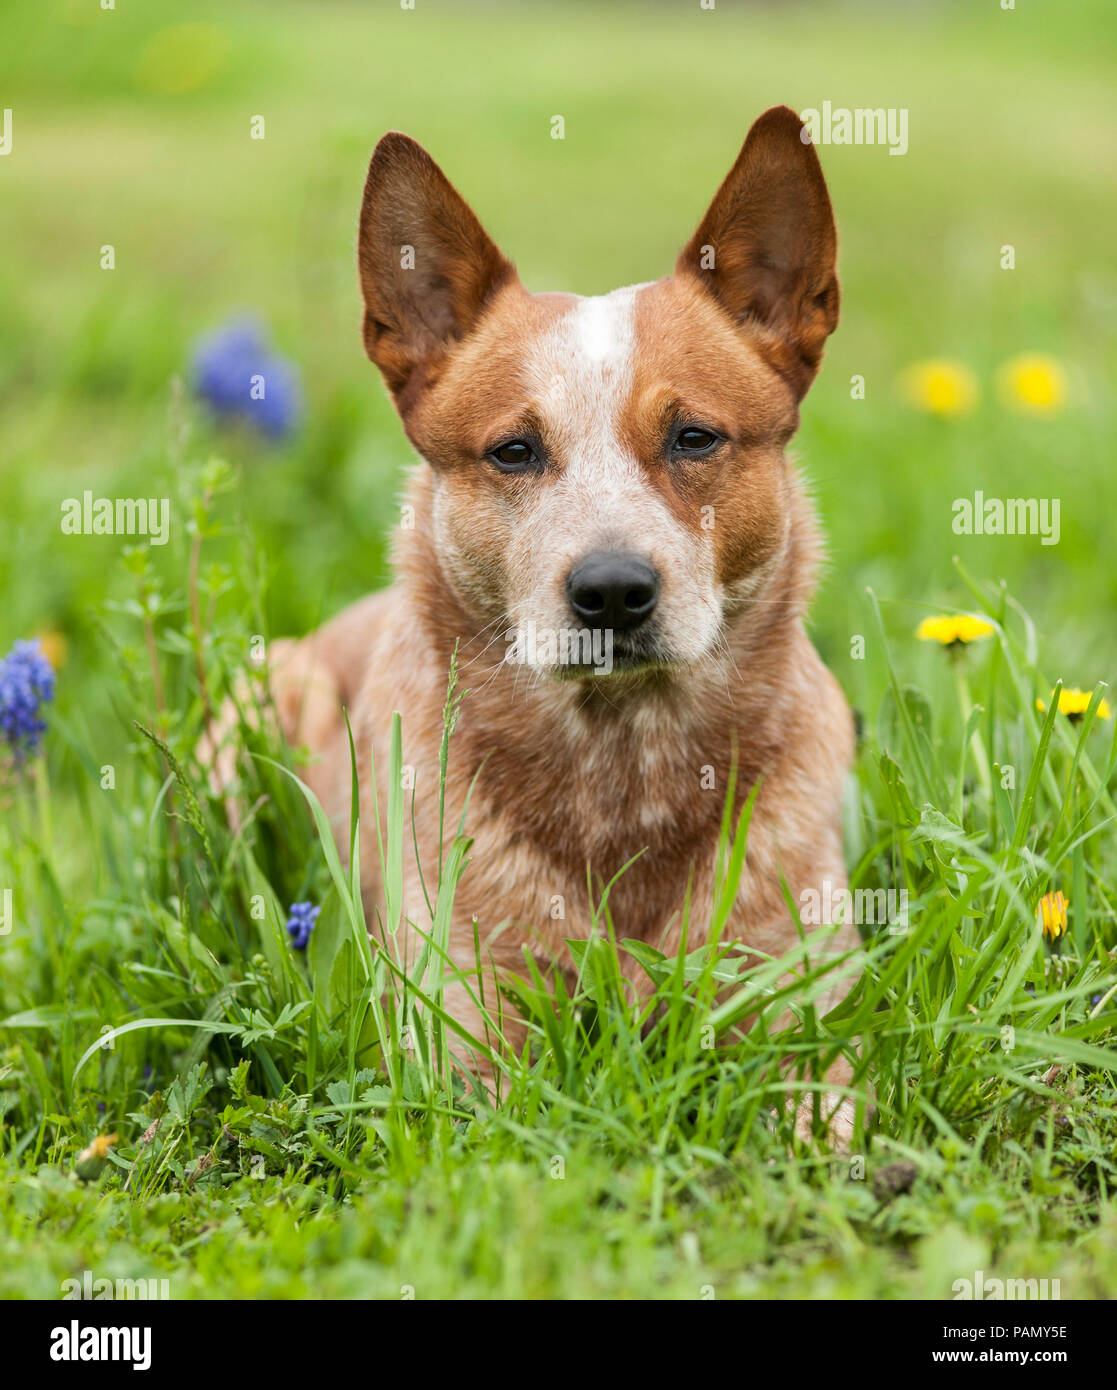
[(626, 655), (587, 654)]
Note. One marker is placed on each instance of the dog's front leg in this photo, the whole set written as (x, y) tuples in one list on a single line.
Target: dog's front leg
[(311, 682)]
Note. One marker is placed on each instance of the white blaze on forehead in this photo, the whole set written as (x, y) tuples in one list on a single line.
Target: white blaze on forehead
[(582, 375), (588, 352), (602, 328)]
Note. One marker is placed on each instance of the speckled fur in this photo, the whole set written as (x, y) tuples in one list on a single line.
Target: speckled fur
[(573, 774)]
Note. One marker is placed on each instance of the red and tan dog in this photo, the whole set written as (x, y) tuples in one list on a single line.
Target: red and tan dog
[(605, 520)]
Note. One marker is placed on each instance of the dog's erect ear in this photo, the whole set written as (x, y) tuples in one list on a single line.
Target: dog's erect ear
[(427, 267), (766, 248)]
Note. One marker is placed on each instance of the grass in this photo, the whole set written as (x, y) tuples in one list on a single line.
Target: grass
[(294, 1128)]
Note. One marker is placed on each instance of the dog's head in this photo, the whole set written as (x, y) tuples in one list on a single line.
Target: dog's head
[(611, 464)]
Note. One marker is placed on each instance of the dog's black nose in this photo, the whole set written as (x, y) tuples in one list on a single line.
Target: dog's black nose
[(613, 589)]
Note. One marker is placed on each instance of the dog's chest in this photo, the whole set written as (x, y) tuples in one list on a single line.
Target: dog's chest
[(553, 827)]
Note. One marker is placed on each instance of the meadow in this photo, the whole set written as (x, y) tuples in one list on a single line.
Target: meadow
[(285, 1122)]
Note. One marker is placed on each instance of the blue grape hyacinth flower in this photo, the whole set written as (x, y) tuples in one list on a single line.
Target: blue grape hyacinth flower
[(240, 378), (301, 923), (26, 685)]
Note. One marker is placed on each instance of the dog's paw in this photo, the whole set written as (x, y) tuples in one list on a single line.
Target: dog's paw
[(216, 750), (302, 698), (219, 748), (839, 1114)]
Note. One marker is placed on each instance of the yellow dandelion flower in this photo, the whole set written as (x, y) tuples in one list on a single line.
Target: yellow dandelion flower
[(1074, 703), (1052, 915), (953, 631), (100, 1147), (54, 646), (91, 1160), (1033, 383), (940, 387)]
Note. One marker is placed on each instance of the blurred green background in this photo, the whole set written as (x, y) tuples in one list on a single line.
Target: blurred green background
[(132, 128)]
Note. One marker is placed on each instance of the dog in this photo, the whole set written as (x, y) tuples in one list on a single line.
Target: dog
[(605, 525)]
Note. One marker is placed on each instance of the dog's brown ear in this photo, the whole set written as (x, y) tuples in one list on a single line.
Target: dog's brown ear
[(427, 267), (767, 247)]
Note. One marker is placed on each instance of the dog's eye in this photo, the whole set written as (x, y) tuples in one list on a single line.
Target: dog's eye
[(514, 456), (695, 441)]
